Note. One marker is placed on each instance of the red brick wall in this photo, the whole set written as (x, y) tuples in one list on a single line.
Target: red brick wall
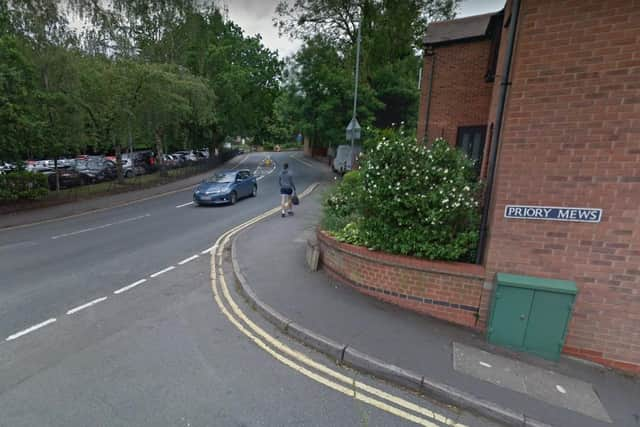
[(446, 290), (460, 95), (572, 138)]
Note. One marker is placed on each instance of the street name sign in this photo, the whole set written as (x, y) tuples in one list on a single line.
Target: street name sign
[(553, 213)]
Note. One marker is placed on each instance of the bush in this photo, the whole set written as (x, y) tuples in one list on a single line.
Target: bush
[(343, 206), (23, 185), (268, 147), (410, 200)]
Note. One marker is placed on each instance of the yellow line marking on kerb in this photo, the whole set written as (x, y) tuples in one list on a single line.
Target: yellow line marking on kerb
[(353, 385)]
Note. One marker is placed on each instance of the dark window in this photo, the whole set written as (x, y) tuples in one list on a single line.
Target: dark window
[(471, 142)]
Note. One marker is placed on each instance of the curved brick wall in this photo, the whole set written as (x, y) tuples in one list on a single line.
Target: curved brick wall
[(447, 290)]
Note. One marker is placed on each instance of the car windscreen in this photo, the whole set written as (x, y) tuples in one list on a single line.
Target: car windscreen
[(221, 178)]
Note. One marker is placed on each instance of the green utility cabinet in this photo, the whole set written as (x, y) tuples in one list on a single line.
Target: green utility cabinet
[(531, 314)]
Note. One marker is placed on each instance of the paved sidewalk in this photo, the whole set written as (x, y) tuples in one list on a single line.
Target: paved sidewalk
[(104, 202), (271, 256)]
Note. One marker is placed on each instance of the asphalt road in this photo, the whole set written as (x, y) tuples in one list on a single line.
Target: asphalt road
[(109, 319)]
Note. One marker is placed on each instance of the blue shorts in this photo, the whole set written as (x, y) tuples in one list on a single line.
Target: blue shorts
[(286, 191)]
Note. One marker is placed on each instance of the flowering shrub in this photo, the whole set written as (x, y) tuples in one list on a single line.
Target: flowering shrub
[(412, 200)]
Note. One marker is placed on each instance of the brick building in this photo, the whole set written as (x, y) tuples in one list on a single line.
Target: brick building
[(566, 133)]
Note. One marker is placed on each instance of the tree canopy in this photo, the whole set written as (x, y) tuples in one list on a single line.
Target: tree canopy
[(322, 78), (171, 74)]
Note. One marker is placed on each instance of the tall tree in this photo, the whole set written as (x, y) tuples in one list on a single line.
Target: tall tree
[(392, 31)]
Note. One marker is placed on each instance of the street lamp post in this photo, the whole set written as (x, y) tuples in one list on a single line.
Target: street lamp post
[(353, 129)]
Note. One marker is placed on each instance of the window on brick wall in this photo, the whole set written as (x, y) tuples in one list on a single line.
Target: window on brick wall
[(471, 141)]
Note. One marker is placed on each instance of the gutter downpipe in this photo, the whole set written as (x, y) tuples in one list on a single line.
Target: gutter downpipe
[(495, 140), (432, 54)]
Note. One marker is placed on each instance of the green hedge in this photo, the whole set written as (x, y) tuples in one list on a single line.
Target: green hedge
[(408, 199), (22, 185)]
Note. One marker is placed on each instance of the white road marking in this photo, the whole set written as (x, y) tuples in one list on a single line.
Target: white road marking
[(131, 286), (186, 260), (241, 161), (156, 274), (31, 329), (206, 251), (561, 389), (73, 233), (301, 161), (87, 305), (17, 245), (485, 364), (184, 204)]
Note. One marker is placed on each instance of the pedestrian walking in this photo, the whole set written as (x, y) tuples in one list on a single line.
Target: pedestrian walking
[(287, 189)]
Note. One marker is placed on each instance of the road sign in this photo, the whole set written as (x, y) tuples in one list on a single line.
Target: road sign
[(353, 130)]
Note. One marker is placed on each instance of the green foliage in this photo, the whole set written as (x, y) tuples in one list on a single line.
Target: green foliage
[(22, 185), (18, 118), (411, 200), (166, 75), (343, 208), (320, 81)]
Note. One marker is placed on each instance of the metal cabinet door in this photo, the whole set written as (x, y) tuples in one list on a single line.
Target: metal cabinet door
[(510, 316), (547, 326)]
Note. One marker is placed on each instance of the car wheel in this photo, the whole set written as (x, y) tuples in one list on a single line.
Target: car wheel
[(128, 174), (233, 198), (254, 192)]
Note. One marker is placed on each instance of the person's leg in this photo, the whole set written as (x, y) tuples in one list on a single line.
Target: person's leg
[(289, 205), (283, 204)]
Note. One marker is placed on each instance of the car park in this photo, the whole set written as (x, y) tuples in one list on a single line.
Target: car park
[(37, 165), (6, 167), (226, 188), (188, 156), (68, 177), (170, 161), (143, 162), (95, 170)]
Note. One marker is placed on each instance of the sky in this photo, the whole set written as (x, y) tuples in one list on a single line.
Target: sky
[(256, 16)]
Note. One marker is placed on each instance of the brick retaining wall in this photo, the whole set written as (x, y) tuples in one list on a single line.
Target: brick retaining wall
[(447, 290)]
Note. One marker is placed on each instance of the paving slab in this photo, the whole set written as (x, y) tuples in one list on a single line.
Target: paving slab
[(548, 386)]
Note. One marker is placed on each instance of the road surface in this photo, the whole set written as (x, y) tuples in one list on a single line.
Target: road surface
[(109, 319)]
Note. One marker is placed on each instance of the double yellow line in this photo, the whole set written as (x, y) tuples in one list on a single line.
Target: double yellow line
[(299, 361)]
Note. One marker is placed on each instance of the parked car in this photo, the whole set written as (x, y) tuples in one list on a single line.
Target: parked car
[(187, 155), (69, 177), (202, 154), (96, 170), (37, 165), (6, 167), (143, 161), (226, 187), (343, 162), (170, 161)]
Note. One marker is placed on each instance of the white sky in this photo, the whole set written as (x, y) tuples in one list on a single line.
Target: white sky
[(255, 16)]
